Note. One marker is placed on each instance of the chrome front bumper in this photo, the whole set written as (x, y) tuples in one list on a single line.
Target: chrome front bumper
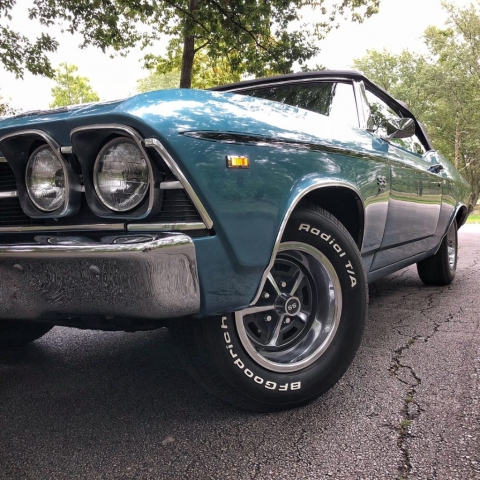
[(153, 278)]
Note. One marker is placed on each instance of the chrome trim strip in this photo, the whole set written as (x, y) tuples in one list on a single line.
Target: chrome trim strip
[(8, 194), (66, 228), (56, 150), (273, 84), (362, 122), (165, 227), (261, 141), (68, 149), (138, 140), (112, 126), (3, 160), (171, 185), (291, 208), (157, 145), (44, 136)]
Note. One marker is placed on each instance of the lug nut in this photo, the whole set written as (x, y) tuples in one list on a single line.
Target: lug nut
[(283, 284), (287, 320), (266, 295), (268, 318)]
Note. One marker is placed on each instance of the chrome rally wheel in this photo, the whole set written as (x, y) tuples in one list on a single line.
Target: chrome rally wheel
[(300, 333), (298, 311)]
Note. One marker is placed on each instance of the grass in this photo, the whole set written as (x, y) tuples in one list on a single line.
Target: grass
[(474, 217)]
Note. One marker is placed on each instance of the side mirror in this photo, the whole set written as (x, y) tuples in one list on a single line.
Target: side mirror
[(400, 128)]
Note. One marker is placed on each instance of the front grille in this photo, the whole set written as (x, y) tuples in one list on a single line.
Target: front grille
[(11, 214), (177, 207), (7, 178)]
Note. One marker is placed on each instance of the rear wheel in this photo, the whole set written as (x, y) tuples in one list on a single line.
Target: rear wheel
[(17, 334), (300, 335), (440, 269)]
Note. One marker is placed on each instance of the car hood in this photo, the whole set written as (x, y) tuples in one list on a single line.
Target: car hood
[(165, 113)]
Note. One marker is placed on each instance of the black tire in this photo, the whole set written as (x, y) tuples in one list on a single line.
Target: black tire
[(440, 269), (273, 360), (16, 334)]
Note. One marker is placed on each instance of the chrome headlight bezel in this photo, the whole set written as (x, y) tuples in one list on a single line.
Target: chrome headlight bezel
[(56, 205), (18, 147), (88, 141), (140, 193)]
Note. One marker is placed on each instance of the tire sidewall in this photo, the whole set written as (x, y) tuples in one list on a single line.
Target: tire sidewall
[(265, 386)]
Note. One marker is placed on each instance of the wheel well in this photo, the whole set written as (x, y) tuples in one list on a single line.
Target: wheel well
[(461, 216), (344, 204)]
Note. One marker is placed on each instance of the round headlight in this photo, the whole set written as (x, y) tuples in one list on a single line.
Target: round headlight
[(45, 179), (121, 175)]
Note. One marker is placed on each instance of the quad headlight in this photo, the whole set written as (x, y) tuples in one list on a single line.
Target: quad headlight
[(121, 175), (45, 179)]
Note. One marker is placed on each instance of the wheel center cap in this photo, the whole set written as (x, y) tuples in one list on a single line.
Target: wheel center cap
[(292, 306)]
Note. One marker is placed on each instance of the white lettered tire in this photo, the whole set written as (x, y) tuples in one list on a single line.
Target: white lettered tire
[(302, 333)]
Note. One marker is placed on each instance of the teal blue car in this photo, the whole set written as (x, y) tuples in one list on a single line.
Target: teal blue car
[(248, 219)]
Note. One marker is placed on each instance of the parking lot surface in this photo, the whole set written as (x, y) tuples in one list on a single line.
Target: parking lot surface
[(97, 405)]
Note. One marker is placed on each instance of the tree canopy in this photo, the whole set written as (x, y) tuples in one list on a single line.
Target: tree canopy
[(255, 37), (441, 87), (71, 89), (17, 52)]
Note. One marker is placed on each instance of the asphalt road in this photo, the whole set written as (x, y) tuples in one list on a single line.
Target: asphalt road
[(100, 405)]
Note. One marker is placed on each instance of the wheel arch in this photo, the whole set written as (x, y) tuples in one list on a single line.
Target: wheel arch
[(340, 198), (344, 204), (461, 215)]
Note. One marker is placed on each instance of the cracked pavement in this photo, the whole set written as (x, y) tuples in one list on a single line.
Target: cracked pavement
[(98, 405)]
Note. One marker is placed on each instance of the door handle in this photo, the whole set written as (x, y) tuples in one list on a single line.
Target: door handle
[(436, 168)]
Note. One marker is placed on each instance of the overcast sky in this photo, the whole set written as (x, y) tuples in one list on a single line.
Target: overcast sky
[(399, 25)]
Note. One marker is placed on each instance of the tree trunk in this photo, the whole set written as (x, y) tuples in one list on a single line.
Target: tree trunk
[(187, 62), (457, 145), (188, 47)]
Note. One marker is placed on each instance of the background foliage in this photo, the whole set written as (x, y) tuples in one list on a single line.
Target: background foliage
[(442, 87), (71, 89)]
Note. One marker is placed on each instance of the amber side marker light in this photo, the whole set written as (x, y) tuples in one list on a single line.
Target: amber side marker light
[(237, 162)]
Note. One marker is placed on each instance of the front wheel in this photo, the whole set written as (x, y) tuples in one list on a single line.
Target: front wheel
[(301, 334)]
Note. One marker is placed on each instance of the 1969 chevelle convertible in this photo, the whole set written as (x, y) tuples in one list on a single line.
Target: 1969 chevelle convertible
[(248, 219)]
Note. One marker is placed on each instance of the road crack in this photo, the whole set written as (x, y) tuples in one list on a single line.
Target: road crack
[(411, 408)]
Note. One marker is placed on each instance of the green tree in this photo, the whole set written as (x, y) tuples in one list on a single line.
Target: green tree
[(71, 89), (442, 87), (256, 37), (158, 81), (17, 52)]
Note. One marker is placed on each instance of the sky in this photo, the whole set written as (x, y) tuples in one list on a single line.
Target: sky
[(399, 24)]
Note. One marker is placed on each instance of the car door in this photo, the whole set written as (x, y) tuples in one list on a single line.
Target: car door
[(415, 191)]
